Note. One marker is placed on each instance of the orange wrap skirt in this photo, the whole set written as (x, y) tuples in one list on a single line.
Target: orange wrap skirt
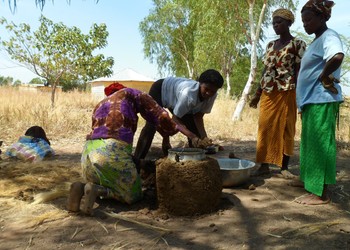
[(276, 129)]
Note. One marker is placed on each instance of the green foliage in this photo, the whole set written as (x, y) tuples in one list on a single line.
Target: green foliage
[(185, 37), (17, 82), (346, 62), (168, 36), (240, 75), (69, 86), (39, 3), (58, 53), (37, 80), (5, 81)]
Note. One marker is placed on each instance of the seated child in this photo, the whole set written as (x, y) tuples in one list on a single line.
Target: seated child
[(33, 146)]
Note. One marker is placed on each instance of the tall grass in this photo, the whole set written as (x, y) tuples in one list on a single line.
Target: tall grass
[(71, 117)]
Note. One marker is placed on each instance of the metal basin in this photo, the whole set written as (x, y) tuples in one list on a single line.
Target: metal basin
[(235, 172), (186, 154)]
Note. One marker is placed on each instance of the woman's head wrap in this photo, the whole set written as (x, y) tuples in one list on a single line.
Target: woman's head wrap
[(114, 87), (284, 13), (323, 7)]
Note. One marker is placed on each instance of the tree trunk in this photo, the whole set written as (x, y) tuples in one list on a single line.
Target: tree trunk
[(228, 90), (53, 92), (189, 69), (255, 34)]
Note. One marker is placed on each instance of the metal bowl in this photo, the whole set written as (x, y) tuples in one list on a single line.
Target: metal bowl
[(186, 154), (235, 172)]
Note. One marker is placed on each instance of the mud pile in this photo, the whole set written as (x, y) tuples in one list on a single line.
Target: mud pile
[(188, 187)]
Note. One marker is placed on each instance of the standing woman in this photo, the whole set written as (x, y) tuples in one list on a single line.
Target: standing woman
[(276, 93), (318, 99)]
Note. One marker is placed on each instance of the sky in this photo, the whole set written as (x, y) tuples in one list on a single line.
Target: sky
[(122, 18)]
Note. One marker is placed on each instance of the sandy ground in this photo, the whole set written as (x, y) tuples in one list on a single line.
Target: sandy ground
[(262, 218)]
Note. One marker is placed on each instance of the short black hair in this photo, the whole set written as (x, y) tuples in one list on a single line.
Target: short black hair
[(213, 77), (37, 132)]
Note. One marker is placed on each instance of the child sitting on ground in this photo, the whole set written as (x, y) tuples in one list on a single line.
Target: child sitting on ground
[(33, 146)]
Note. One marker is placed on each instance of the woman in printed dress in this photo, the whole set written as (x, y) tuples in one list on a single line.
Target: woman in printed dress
[(108, 166), (277, 96)]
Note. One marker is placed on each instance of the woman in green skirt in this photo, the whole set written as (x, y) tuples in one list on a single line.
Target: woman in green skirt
[(318, 99), (109, 169)]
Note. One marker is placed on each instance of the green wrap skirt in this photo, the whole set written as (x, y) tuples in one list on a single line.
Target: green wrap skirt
[(318, 146), (108, 162)]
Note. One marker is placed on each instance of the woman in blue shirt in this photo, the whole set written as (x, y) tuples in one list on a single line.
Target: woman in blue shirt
[(188, 100), (318, 98)]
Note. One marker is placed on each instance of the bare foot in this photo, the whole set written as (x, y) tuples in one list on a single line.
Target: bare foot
[(287, 175), (296, 183), (91, 192), (75, 194), (263, 170), (312, 199)]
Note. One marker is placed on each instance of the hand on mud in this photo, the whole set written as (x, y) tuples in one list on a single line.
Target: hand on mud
[(202, 143), (254, 101)]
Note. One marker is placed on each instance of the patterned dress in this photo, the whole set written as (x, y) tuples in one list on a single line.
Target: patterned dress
[(30, 149), (278, 109), (106, 158)]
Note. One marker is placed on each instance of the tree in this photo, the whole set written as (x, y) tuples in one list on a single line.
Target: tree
[(217, 42), (17, 82), (37, 80), (254, 36), (345, 68), (187, 37), (39, 3), (168, 34), (5, 81), (58, 53)]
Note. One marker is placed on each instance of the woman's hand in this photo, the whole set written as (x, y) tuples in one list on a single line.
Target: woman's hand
[(254, 101), (201, 143), (328, 83)]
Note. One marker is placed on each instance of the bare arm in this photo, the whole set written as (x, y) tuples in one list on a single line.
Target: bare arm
[(199, 142), (182, 128), (198, 120), (332, 65)]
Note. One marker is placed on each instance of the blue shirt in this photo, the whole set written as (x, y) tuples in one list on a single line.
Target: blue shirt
[(309, 88), (182, 95), (31, 149)]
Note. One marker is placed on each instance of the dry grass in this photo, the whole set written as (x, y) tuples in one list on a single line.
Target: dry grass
[(23, 180), (71, 117), (28, 215), (24, 187), (19, 110)]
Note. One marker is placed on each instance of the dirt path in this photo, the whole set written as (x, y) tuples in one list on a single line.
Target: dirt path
[(263, 218)]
